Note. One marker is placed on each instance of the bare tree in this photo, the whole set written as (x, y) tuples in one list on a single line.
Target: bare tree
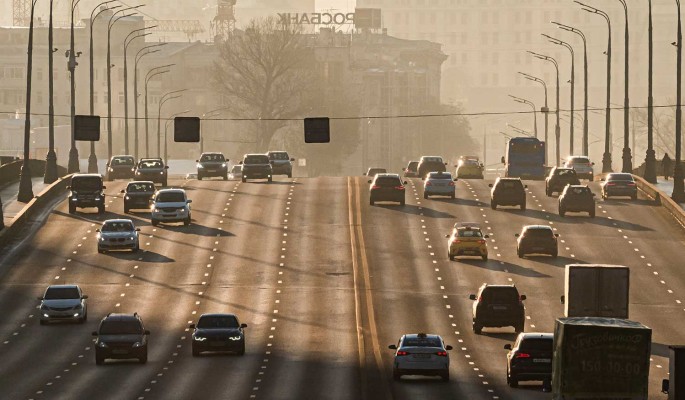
[(262, 73)]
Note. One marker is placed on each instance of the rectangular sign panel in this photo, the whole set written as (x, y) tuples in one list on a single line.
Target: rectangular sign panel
[(87, 128), (317, 130), (186, 129)]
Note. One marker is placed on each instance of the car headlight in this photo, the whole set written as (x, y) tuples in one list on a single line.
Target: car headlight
[(200, 166), (132, 237), (98, 198), (137, 344), (235, 338), (102, 239), (44, 307), (133, 169), (199, 338), (161, 173), (46, 315), (138, 173), (128, 198), (154, 209), (102, 344), (223, 165)]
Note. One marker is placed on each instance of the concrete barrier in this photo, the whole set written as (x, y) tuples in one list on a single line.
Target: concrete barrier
[(34, 208), (9, 172), (662, 199)]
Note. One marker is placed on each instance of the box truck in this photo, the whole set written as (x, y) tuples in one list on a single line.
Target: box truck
[(596, 290)]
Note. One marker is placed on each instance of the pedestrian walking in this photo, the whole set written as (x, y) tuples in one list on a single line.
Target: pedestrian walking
[(667, 165)]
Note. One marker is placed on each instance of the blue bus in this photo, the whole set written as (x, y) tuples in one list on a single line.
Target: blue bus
[(525, 158)]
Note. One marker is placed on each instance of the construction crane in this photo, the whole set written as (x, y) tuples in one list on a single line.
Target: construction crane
[(21, 12), (190, 27), (224, 22)]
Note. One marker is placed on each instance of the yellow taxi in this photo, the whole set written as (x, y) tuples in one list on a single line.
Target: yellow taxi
[(469, 168), (467, 239)]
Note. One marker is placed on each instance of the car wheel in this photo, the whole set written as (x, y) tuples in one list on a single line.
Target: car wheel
[(452, 196), (592, 214), (513, 383), (99, 360), (450, 256), (126, 210), (101, 209), (634, 197), (143, 359), (371, 202), (243, 180), (165, 183), (493, 205), (591, 178), (523, 206), (137, 248), (519, 328), (425, 195), (196, 352), (396, 375), (154, 222), (72, 209), (43, 322), (562, 212), (477, 328), (241, 352), (548, 192), (225, 177), (270, 180), (445, 376), (290, 175), (402, 202), (520, 253), (186, 222), (555, 254), (485, 257), (101, 251), (85, 318)]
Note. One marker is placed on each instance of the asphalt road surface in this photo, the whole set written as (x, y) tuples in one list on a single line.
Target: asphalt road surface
[(325, 283)]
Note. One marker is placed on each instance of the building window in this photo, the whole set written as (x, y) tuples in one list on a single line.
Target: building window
[(121, 97)]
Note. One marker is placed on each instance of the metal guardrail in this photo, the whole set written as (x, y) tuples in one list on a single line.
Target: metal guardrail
[(661, 199)]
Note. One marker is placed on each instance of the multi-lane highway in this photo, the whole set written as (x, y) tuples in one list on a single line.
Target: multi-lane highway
[(325, 283)]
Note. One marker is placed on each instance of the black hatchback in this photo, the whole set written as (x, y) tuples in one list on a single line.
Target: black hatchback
[(508, 192), (121, 167), (577, 198), (498, 306), (386, 187), (530, 359), (537, 239), (558, 178), (138, 195), (121, 336), (218, 332)]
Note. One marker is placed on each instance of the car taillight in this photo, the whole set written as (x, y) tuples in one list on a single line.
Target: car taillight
[(610, 184), (457, 241), (520, 299), (429, 184), (402, 353), (482, 241), (522, 355), (451, 183), (442, 353), (480, 299), (399, 187), (631, 183), (374, 187)]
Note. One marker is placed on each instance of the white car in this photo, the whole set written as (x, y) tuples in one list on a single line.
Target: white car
[(63, 303), (421, 354), (118, 234), (170, 205), (582, 165), (236, 173)]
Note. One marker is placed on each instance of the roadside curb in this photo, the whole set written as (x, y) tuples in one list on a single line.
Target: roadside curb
[(33, 209), (662, 199)]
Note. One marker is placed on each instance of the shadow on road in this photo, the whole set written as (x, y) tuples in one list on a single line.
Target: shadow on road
[(148, 256), (503, 266), (416, 210)]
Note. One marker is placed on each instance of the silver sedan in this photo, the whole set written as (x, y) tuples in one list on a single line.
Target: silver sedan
[(440, 184), (421, 354)]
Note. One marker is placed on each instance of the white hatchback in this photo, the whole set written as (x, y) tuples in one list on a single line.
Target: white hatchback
[(421, 354)]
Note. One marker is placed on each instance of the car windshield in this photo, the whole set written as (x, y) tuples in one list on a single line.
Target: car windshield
[(218, 321), (236, 169), (578, 160), (578, 190), (87, 183), (422, 342), (374, 171), (117, 226), (470, 163), (140, 187), (620, 177), (537, 344), (131, 327), (256, 159), (412, 165), (538, 233), (470, 233), (150, 164), (212, 157), (61, 293), (509, 184), (388, 181), (566, 172), (278, 156), (122, 161), (440, 175), (171, 197), (501, 295)]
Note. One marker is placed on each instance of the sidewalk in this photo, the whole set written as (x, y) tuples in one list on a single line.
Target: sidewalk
[(8, 194)]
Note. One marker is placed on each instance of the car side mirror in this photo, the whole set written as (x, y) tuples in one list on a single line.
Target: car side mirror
[(556, 235), (594, 195), (40, 298), (68, 187), (486, 236), (503, 161), (447, 236), (404, 183), (592, 163), (146, 333), (456, 179), (85, 296), (393, 347), (197, 160), (241, 163), (189, 201), (122, 191), (445, 164), (104, 187), (489, 184), (507, 346), (523, 297), (94, 333), (517, 234), (601, 180), (191, 326), (525, 186), (292, 159), (472, 297), (562, 299), (107, 164), (97, 230), (456, 166), (137, 229), (665, 386), (166, 167), (448, 347), (243, 325), (369, 180)]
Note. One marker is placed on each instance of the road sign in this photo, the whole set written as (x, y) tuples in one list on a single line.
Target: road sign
[(87, 128), (187, 129), (317, 130)]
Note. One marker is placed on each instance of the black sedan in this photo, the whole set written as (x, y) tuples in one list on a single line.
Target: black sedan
[(138, 195), (530, 359), (218, 332), (619, 184)]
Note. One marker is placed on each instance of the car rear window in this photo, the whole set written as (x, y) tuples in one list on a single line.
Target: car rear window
[(565, 172), (412, 165), (538, 233), (510, 184), (500, 295), (538, 344), (256, 160), (374, 171), (222, 321), (120, 327), (140, 187), (388, 181), (421, 342), (440, 175), (171, 197), (578, 190), (117, 227), (469, 233), (213, 157), (236, 168), (433, 159), (61, 293), (620, 177)]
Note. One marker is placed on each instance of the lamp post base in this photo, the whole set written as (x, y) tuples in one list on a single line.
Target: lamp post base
[(92, 160), (678, 187), (650, 167), (25, 185), (50, 167), (627, 161), (606, 163), (73, 161)]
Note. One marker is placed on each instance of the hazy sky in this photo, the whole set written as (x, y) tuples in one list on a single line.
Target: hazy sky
[(342, 5)]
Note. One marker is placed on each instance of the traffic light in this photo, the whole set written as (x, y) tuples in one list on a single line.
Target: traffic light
[(87, 128), (317, 130), (187, 129)]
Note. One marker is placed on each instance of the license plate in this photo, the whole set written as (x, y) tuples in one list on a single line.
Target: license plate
[(119, 351), (542, 360), (499, 308), (422, 355), (538, 248), (217, 344), (211, 170)]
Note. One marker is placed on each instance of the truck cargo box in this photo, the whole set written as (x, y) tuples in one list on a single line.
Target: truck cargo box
[(596, 290), (600, 358)]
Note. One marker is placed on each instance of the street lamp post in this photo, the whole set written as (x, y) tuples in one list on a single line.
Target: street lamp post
[(586, 129), (139, 55), (606, 159), (535, 116), (166, 127), (627, 156), (73, 152), (650, 157), (165, 97), (573, 87), (25, 185), (678, 190), (128, 41), (208, 114), (557, 129), (51, 158), (546, 109), (112, 20), (151, 74), (92, 158)]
